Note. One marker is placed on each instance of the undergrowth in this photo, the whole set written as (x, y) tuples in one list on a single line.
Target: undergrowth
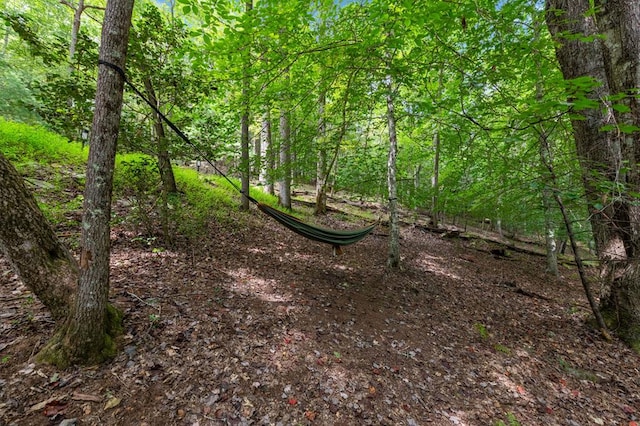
[(54, 170), (23, 144)]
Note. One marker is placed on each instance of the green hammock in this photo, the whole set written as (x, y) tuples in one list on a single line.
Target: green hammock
[(329, 236), (336, 238)]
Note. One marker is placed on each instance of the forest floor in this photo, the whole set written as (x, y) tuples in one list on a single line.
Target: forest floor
[(256, 325)]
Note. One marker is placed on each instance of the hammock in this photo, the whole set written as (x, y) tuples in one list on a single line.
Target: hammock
[(329, 236), (334, 237)]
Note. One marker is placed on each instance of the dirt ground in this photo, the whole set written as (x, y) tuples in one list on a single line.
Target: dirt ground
[(256, 325)]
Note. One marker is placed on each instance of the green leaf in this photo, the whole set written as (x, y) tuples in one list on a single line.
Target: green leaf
[(186, 10), (621, 108), (628, 128)]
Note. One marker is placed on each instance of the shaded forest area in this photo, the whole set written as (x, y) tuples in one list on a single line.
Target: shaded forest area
[(256, 326)]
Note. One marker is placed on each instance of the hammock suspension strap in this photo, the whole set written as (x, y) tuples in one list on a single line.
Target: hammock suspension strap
[(336, 238)]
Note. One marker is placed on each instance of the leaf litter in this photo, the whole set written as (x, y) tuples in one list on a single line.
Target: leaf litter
[(261, 327)]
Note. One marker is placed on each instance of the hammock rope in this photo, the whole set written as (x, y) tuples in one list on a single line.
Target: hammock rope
[(336, 238)]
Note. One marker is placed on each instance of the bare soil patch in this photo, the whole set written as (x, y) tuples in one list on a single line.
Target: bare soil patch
[(255, 325)]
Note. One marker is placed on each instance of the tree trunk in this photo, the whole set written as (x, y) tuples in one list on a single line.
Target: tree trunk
[(75, 30), (29, 243), (244, 159), (269, 163), (546, 159), (435, 178), (393, 258), (87, 336), (321, 162), (435, 184), (547, 206), (245, 167), (164, 159), (285, 161), (609, 159)]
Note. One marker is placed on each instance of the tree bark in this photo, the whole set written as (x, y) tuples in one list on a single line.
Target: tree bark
[(87, 336), (29, 243), (609, 158), (245, 167), (164, 159), (75, 30), (321, 162), (285, 161), (435, 183), (269, 164), (393, 257)]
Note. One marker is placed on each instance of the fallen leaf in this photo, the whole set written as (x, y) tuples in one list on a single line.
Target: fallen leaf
[(39, 406), (520, 390), (632, 423), (54, 408), (310, 415), (293, 401), (112, 403), (77, 396)]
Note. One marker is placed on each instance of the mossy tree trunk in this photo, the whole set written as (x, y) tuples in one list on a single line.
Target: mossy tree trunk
[(607, 144), (86, 337), (29, 243)]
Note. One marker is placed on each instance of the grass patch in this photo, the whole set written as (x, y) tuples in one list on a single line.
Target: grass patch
[(23, 144), (54, 170)]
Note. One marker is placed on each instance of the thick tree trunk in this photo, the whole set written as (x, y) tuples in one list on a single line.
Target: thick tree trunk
[(609, 158), (27, 240), (87, 336), (393, 257)]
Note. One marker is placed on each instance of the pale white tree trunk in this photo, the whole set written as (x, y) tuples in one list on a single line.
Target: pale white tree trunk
[(284, 184)]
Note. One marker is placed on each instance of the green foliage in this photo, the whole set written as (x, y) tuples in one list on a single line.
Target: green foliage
[(137, 179), (17, 102), (482, 330), (480, 75), (512, 420), (201, 203), (22, 144)]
